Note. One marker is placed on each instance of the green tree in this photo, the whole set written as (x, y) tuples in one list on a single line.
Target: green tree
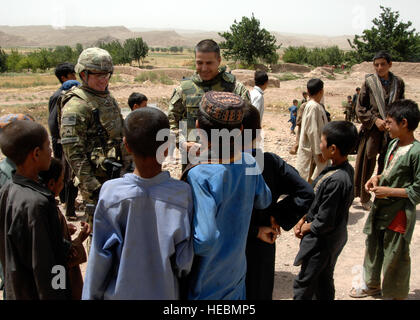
[(390, 34), (248, 43), (137, 49), (119, 54), (13, 59), (3, 60)]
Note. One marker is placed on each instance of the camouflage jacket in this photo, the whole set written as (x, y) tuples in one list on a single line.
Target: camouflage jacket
[(86, 143), (186, 98)]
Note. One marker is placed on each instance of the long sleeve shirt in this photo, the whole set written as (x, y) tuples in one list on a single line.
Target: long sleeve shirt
[(224, 196), (329, 212), (257, 99), (141, 240)]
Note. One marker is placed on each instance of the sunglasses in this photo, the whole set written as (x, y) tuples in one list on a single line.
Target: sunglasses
[(100, 75)]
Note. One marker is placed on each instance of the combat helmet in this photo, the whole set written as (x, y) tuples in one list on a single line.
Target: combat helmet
[(94, 59)]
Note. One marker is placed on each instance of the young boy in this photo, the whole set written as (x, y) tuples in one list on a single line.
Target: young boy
[(348, 109), (137, 100), (53, 179), (309, 161), (31, 240), (257, 94), (141, 240), (390, 224), (282, 179), (225, 192), (324, 229), (293, 114)]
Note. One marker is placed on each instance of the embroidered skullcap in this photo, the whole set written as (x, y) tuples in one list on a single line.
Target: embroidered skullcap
[(6, 119), (222, 107)]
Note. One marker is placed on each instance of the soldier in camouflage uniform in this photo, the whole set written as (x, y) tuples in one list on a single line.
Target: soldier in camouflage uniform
[(91, 126), (185, 100)]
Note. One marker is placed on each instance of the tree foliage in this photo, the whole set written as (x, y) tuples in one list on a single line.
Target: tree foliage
[(390, 34), (136, 48), (318, 56), (248, 43)]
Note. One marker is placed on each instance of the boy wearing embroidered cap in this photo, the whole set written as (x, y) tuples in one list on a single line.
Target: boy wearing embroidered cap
[(224, 195)]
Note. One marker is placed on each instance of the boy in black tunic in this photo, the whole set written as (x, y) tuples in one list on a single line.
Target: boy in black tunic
[(324, 229), (282, 179)]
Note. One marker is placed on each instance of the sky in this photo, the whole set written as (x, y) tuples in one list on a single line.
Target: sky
[(321, 17)]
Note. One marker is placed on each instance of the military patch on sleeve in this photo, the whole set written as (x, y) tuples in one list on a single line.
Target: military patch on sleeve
[(67, 132), (69, 120), (69, 140)]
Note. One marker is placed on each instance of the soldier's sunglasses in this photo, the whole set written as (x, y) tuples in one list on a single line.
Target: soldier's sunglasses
[(100, 75)]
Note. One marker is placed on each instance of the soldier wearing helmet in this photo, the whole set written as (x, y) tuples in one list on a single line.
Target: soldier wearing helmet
[(209, 76), (91, 126)]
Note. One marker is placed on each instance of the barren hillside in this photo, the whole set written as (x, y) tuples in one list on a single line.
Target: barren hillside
[(47, 36)]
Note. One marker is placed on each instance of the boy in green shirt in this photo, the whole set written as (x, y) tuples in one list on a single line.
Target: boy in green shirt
[(392, 218)]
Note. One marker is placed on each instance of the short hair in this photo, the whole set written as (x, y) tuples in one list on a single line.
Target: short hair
[(251, 120), (295, 101), (358, 89), (382, 55), (260, 77), (405, 109), (63, 69), (207, 45), (304, 93), (341, 133), (54, 172), (349, 97), (314, 86), (136, 98), (20, 137), (141, 128)]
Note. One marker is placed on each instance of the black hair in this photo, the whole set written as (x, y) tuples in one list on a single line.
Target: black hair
[(251, 120), (141, 128), (136, 98), (358, 89), (64, 69), (295, 100), (405, 109), (314, 86), (260, 77), (304, 93), (349, 97), (341, 133), (20, 137), (382, 55), (207, 45), (54, 172)]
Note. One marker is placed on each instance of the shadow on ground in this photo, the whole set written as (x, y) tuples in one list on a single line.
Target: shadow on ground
[(283, 285), (355, 216)]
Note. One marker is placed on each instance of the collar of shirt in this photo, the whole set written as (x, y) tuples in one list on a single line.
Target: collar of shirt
[(259, 89), (161, 177)]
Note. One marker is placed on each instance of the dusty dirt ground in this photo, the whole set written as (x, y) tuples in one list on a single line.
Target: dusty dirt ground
[(278, 140)]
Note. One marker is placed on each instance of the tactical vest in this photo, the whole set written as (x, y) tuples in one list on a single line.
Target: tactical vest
[(193, 90), (104, 130)]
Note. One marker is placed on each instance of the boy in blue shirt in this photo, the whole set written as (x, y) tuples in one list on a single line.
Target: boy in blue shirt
[(225, 189), (293, 114), (141, 243)]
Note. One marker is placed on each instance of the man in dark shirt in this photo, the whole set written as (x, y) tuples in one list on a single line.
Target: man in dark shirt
[(66, 75)]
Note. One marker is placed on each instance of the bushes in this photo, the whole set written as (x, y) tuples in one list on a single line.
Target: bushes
[(318, 57), (42, 59)]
